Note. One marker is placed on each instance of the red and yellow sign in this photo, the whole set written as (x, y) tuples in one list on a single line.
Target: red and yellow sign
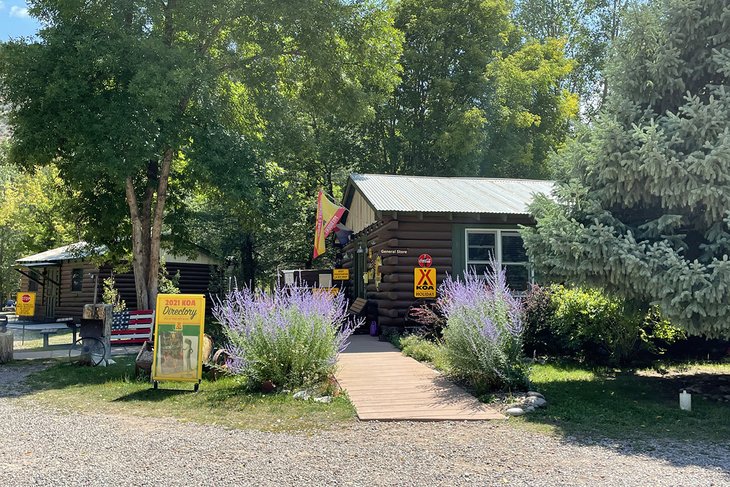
[(25, 304), (424, 282), (178, 340)]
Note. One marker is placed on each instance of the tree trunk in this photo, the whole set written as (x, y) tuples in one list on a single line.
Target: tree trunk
[(6, 347), (147, 230), (153, 275)]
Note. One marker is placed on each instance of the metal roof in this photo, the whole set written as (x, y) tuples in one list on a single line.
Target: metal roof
[(449, 195), (78, 250)]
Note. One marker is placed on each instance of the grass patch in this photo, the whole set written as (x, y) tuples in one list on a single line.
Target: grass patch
[(224, 402), (620, 405)]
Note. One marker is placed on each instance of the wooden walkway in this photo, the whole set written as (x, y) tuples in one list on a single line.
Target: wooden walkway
[(385, 385)]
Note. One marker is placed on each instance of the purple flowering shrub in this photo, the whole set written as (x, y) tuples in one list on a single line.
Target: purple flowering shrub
[(291, 337), (483, 335)]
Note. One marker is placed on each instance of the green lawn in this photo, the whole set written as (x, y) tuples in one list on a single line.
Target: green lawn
[(624, 405), (224, 402)]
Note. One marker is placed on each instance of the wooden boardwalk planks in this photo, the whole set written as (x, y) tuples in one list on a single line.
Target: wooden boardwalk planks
[(385, 385)]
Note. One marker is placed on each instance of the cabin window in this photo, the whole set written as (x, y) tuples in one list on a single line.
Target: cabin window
[(506, 247), (77, 280)]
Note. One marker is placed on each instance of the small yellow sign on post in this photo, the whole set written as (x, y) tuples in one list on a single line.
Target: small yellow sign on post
[(424, 282), (178, 338), (25, 304), (341, 274)]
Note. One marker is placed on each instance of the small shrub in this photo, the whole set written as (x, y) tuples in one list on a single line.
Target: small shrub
[(291, 337), (539, 309), (483, 333), (592, 326), (419, 348), (110, 294)]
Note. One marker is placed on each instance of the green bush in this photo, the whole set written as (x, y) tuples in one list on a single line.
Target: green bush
[(593, 326), (419, 348), (588, 322)]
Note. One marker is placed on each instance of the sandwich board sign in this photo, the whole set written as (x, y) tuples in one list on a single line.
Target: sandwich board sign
[(25, 304), (424, 282), (178, 338)]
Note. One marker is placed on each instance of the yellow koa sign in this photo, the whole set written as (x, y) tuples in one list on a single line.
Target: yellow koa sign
[(424, 282)]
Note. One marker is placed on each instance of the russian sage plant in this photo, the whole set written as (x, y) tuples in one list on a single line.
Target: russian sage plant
[(291, 337), (483, 334)]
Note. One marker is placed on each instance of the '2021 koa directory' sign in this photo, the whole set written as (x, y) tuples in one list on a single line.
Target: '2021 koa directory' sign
[(178, 340)]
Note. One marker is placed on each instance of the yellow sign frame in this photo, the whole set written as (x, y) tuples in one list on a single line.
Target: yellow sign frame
[(427, 274), (340, 274), (177, 316), (25, 309)]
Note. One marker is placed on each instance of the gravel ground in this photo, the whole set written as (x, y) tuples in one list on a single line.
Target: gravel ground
[(42, 447)]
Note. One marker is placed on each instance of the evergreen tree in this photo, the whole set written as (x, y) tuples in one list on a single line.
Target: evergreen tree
[(647, 213)]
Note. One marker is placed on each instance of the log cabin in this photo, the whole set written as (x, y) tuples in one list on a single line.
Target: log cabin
[(404, 223), (66, 278)]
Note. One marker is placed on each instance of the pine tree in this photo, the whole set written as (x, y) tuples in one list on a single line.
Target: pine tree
[(647, 213)]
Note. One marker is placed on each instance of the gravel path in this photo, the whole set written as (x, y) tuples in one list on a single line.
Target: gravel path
[(45, 447)]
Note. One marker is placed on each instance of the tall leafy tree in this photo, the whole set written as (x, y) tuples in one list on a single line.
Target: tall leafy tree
[(588, 29), (36, 213), (469, 79), (648, 212), (139, 100)]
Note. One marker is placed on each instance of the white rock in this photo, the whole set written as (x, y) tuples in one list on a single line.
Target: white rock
[(515, 411), (303, 395), (535, 401), (323, 399), (535, 394)]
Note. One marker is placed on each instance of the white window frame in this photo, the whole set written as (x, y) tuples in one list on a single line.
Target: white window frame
[(497, 232)]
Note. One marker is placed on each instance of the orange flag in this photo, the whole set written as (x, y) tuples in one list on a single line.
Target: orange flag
[(328, 216)]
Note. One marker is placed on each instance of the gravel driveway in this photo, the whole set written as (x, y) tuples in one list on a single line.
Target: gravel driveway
[(45, 447)]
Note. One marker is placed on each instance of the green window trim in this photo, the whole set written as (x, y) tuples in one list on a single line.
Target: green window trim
[(459, 247)]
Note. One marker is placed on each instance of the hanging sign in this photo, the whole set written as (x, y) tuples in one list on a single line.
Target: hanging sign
[(25, 304), (425, 260), (424, 282), (341, 274), (178, 338)]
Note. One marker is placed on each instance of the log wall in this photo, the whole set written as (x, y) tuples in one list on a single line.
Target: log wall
[(416, 234), (194, 279)]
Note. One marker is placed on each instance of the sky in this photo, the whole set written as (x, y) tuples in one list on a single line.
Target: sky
[(14, 20)]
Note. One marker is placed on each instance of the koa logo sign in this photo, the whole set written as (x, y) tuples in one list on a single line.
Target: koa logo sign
[(424, 282)]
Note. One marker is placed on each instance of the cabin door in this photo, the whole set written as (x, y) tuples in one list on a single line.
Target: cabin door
[(53, 277)]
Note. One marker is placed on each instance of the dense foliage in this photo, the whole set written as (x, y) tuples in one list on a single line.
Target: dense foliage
[(646, 214), (476, 98), (36, 213), (482, 340), (291, 337), (141, 104), (591, 326)]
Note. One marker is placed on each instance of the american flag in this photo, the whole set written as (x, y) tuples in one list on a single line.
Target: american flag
[(129, 327)]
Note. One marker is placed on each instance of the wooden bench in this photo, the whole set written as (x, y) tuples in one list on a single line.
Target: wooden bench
[(357, 306)]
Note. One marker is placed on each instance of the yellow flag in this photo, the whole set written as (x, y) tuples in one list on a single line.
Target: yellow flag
[(328, 216)]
